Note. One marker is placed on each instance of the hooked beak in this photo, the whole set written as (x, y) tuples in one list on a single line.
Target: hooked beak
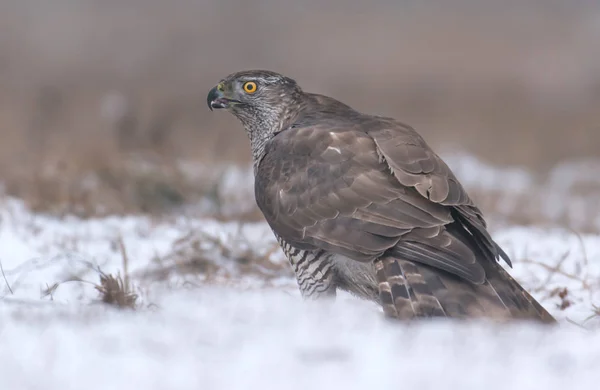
[(216, 99)]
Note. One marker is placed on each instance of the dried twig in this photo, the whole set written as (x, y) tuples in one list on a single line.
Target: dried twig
[(558, 270), (582, 244), (570, 321), (554, 270), (6, 280), (595, 313)]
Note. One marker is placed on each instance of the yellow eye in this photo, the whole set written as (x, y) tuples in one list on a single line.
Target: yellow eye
[(250, 87)]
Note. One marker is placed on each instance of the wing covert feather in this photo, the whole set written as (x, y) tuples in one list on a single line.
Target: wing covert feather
[(361, 186)]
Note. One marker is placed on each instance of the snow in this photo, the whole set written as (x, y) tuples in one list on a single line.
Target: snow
[(243, 324), (220, 338)]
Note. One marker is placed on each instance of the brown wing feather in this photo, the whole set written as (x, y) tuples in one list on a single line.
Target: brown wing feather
[(414, 164), (371, 189), (325, 186)]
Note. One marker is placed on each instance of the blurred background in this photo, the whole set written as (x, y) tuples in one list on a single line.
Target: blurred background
[(103, 102)]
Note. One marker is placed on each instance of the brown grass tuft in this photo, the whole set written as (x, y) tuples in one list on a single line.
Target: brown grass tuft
[(114, 291)]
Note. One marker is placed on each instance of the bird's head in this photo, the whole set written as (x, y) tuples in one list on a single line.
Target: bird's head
[(262, 100)]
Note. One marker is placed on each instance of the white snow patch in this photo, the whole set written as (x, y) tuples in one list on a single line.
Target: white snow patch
[(227, 339)]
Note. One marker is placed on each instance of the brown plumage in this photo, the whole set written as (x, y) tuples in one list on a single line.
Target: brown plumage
[(362, 203)]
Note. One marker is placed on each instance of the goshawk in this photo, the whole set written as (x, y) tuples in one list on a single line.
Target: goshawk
[(361, 203)]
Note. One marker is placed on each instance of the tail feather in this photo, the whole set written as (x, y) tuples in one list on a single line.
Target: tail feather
[(404, 292), (514, 297), (520, 303), (412, 284), (393, 289), (411, 290)]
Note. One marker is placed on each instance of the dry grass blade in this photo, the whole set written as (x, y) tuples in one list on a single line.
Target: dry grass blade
[(5, 280), (125, 259), (199, 254), (552, 270), (595, 313), (114, 291), (558, 270)]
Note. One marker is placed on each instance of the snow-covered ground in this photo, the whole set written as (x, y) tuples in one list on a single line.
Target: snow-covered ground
[(218, 308), (222, 338)]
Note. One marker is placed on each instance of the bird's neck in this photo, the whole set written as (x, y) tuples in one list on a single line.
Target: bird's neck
[(261, 129), (258, 142)]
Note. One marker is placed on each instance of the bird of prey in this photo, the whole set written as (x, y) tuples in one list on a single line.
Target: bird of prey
[(361, 203)]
